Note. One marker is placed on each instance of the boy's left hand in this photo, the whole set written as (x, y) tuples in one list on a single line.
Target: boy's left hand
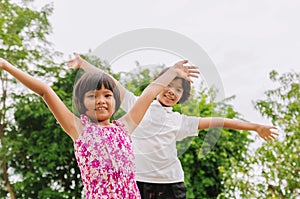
[(267, 133)]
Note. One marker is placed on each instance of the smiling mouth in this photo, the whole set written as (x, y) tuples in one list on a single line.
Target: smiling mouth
[(100, 108), (169, 98)]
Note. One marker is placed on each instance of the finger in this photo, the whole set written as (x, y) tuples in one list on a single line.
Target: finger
[(182, 62), (195, 76), (76, 54), (70, 63), (192, 67), (188, 79), (268, 138), (275, 133), (274, 130), (263, 136), (272, 137), (194, 71)]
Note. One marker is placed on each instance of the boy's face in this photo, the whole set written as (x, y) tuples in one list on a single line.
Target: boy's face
[(170, 95)]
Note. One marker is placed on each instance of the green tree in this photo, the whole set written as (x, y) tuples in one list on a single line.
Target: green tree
[(23, 42), (212, 152), (274, 170)]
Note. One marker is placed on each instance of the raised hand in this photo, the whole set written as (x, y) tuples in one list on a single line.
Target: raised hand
[(3, 63), (76, 62), (267, 133), (186, 71)]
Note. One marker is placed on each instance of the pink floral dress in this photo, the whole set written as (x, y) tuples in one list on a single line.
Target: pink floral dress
[(105, 158)]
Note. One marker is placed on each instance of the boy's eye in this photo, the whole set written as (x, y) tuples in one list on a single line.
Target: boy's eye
[(108, 95)]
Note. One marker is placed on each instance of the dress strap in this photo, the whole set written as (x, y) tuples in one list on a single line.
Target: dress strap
[(84, 119), (118, 123)]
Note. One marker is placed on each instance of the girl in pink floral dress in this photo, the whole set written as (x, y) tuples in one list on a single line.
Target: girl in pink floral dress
[(105, 158), (103, 149)]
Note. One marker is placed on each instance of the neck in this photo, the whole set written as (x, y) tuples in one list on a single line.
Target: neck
[(162, 104), (104, 122)]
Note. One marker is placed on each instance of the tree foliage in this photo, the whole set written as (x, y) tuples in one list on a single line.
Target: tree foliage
[(274, 170), (23, 42), (212, 152), (23, 33)]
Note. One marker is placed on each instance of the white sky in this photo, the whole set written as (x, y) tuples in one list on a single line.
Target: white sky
[(245, 39)]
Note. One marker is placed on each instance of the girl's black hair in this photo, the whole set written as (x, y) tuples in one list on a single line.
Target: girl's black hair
[(186, 85), (91, 81)]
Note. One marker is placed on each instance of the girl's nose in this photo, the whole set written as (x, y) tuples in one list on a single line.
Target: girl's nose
[(100, 100)]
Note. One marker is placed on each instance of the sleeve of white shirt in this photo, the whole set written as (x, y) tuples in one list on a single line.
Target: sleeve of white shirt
[(128, 101), (188, 127)]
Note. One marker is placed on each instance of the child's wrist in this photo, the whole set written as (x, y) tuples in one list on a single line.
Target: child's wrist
[(167, 77), (258, 127), (173, 70), (5, 65)]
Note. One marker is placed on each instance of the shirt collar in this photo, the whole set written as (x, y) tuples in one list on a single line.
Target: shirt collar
[(167, 108)]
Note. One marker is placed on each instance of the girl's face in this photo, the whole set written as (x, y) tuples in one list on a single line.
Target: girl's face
[(171, 94), (100, 105)]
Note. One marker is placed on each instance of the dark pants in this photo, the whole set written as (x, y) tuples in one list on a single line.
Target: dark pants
[(162, 191)]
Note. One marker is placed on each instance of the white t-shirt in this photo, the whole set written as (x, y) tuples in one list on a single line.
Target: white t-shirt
[(155, 139)]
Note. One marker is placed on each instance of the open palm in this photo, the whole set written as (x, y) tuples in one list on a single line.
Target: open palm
[(186, 71)]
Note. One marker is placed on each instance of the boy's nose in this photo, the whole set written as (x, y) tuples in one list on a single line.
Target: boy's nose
[(170, 91)]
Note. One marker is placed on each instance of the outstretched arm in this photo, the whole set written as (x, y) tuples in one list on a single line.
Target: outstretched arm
[(263, 131), (78, 62), (136, 114), (63, 115)]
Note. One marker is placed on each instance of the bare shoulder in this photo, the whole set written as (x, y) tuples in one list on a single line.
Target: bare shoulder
[(130, 125)]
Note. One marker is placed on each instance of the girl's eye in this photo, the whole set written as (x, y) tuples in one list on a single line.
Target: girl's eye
[(91, 96), (108, 95)]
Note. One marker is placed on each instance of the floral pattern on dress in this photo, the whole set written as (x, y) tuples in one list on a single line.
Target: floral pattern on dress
[(105, 158)]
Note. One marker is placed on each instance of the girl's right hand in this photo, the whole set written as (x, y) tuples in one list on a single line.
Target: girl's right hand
[(186, 71), (76, 62), (3, 63)]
